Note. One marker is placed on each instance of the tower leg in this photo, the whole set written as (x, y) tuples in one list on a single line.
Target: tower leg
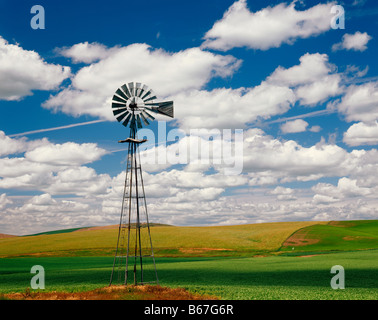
[(133, 212)]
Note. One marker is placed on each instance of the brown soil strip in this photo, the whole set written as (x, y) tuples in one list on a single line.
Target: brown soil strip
[(129, 292), (201, 250), (3, 236)]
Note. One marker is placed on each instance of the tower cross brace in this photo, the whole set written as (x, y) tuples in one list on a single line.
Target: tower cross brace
[(134, 243)]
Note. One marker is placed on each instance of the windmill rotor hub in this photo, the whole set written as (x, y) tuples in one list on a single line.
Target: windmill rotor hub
[(133, 104)]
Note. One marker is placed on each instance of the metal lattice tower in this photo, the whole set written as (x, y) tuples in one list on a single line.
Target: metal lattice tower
[(134, 260)]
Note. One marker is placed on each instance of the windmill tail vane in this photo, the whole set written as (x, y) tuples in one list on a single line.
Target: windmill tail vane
[(134, 262)]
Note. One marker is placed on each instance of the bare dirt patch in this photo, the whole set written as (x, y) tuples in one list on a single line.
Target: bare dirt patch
[(3, 236), (202, 250), (309, 255), (342, 224), (352, 238), (298, 239), (129, 292)]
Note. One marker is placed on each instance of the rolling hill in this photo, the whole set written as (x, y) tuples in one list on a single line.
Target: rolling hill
[(173, 241), (334, 236)]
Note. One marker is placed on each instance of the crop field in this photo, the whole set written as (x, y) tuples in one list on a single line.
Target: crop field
[(262, 261), (167, 240), (275, 277)]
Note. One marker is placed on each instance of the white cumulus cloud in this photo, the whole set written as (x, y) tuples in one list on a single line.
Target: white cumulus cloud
[(362, 133), (85, 52), (68, 154), (4, 201), (267, 28), (231, 108), (360, 102), (22, 71), (294, 126), (357, 42), (314, 80)]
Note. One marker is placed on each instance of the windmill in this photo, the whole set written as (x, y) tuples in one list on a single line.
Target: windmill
[(133, 105)]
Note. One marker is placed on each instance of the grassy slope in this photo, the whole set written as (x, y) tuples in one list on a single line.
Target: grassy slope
[(335, 236), (167, 241)]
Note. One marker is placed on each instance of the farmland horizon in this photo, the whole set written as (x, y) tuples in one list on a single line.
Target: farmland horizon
[(152, 223), (265, 261), (178, 241)]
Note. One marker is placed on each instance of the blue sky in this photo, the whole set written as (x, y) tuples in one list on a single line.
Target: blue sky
[(304, 93)]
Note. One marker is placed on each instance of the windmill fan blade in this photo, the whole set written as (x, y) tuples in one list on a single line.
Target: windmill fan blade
[(127, 120), (144, 119), (148, 115), (122, 116), (151, 98), (119, 99), (121, 94), (131, 88), (118, 105), (138, 88), (147, 94), (144, 89), (126, 90), (118, 111)]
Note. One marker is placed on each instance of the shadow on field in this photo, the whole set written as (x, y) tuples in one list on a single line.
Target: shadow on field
[(354, 278), (86, 273)]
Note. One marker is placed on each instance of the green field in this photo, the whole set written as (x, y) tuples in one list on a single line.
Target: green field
[(275, 277), (266, 261)]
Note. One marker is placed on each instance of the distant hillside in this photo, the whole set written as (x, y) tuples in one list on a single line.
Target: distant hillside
[(56, 231), (86, 228), (172, 241), (334, 236)]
